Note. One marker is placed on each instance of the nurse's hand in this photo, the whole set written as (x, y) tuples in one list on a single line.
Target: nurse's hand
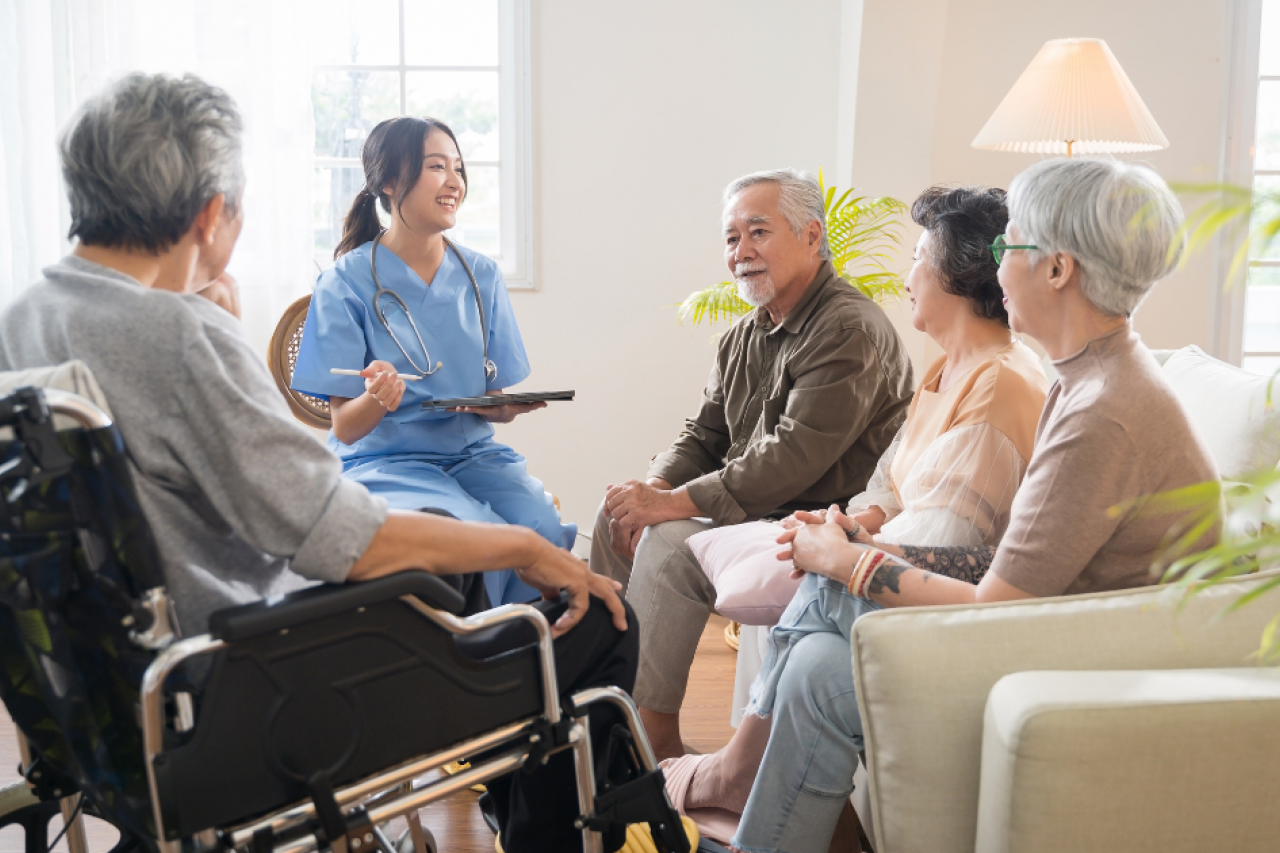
[(500, 414), (382, 383), (554, 570)]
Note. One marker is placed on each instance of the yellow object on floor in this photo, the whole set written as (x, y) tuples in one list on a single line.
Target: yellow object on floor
[(638, 838), (732, 635), (453, 768)]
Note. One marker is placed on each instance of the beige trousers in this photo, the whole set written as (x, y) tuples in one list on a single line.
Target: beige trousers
[(671, 598)]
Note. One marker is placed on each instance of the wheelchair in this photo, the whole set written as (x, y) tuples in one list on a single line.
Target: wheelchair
[(297, 725)]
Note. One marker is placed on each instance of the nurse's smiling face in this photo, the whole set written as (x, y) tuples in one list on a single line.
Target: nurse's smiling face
[(432, 205)]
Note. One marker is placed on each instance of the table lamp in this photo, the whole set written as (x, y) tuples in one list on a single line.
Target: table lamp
[(1074, 98)]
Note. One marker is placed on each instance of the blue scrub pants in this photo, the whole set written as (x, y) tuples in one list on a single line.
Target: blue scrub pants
[(491, 485)]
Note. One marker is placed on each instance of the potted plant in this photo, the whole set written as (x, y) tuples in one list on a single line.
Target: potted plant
[(1248, 508), (862, 232)]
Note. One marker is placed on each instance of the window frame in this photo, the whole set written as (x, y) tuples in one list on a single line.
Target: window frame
[(1237, 167), (515, 148)]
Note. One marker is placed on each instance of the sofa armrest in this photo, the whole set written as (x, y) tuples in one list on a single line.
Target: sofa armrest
[(1113, 762), (924, 674)]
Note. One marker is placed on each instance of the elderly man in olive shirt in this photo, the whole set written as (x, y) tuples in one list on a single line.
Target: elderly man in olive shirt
[(806, 393)]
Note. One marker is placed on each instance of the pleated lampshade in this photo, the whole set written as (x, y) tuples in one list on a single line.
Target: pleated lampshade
[(1074, 98)]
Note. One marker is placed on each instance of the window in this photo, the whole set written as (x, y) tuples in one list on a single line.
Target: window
[(462, 62), (1261, 351)]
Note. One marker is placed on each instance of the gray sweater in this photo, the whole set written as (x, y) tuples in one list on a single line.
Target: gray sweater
[(244, 504)]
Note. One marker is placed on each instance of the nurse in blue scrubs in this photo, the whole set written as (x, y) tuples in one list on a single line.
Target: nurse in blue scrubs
[(421, 460)]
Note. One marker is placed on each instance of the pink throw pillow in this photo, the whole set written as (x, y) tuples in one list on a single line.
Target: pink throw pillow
[(752, 585)]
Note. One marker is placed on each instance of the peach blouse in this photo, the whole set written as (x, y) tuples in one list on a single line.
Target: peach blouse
[(950, 474)]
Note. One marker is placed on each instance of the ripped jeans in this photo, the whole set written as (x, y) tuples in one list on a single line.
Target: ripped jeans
[(806, 685)]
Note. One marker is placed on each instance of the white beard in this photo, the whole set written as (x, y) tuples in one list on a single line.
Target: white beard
[(757, 292)]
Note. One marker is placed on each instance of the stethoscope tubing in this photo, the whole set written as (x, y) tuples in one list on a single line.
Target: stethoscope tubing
[(490, 369)]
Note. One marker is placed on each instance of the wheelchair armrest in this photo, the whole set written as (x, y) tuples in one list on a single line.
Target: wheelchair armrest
[(262, 617)]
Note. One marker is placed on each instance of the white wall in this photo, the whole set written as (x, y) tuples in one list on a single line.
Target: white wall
[(644, 111), (942, 66)]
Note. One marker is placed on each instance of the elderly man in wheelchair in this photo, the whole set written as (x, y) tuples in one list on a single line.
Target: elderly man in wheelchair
[(283, 715)]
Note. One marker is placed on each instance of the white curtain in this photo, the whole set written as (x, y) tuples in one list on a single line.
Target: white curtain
[(57, 52)]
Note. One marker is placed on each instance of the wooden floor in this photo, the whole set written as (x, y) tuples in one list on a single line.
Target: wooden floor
[(456, 822)]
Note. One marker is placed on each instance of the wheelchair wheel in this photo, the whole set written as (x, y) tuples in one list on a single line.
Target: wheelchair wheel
[(18, 806)]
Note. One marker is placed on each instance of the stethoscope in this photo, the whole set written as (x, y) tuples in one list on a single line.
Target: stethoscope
[(490, 369)]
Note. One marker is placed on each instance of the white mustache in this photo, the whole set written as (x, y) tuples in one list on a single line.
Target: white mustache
[(743, 268)]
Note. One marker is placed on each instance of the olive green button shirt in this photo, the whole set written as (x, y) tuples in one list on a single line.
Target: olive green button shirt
[(794, 416)]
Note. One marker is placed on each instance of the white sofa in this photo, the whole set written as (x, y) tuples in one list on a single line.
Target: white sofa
[(924, 676)]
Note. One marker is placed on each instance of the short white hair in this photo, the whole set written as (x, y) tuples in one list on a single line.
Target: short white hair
[(800, 200), (144, 156), (1120, 222)]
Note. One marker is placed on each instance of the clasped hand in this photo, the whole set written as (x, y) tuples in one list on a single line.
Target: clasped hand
[(825, 543)]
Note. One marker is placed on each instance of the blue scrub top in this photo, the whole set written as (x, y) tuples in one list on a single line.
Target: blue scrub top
[(343, 331)]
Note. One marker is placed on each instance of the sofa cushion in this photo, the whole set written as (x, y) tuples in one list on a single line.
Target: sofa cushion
[(1228, 406), (1113, 762), (924, 673)]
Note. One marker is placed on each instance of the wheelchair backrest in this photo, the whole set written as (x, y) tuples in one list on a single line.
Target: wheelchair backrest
[(81, 602)]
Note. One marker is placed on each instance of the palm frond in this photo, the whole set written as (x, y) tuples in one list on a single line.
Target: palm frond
[(713, 303), (1230, 209), (864, 234), (1248, 510)]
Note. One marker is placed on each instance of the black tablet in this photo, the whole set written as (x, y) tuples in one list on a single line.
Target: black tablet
[(498, 400)]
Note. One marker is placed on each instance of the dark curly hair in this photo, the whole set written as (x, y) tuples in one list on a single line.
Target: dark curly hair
[(962, 223)]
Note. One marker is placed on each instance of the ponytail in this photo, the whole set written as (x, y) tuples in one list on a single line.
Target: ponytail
[(361, 224), (392, 157)]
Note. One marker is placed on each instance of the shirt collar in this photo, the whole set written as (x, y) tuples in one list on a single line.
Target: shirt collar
[(796, 318), (1082, 363), (83, 266)]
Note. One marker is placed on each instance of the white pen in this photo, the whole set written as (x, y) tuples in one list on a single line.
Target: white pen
[(338, 371)]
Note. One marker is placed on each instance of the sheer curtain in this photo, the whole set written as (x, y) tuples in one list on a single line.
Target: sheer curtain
[(57, 52)]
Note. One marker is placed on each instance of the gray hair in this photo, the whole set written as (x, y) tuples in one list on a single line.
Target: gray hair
[(800, 200), (1120, 222), (142, 159)]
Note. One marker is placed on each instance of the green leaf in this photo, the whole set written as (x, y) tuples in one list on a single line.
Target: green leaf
[(864, 234)]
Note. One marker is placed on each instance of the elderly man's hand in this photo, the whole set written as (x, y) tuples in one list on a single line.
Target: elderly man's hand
[(554, 570), (633, 506)]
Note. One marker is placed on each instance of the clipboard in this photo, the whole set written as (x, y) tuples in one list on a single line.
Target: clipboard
[(498, 400)]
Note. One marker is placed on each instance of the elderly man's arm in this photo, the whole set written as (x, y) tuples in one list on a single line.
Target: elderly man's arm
[(634, 505), (841, 385), (703, 442)]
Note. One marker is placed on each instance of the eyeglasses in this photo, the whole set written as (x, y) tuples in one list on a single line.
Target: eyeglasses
[(1000, 246)]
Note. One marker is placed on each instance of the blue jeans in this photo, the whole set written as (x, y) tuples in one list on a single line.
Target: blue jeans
[(806, 685)]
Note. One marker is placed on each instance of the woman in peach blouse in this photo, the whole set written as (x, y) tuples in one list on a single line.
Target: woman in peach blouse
[(948, 477)]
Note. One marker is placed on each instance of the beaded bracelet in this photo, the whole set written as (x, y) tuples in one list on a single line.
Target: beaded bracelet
[(864, 569)]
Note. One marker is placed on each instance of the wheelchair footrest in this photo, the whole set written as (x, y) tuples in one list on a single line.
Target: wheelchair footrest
[(641, 800)]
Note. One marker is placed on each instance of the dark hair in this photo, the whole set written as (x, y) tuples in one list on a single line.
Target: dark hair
[(392, 155), (962, 223)]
